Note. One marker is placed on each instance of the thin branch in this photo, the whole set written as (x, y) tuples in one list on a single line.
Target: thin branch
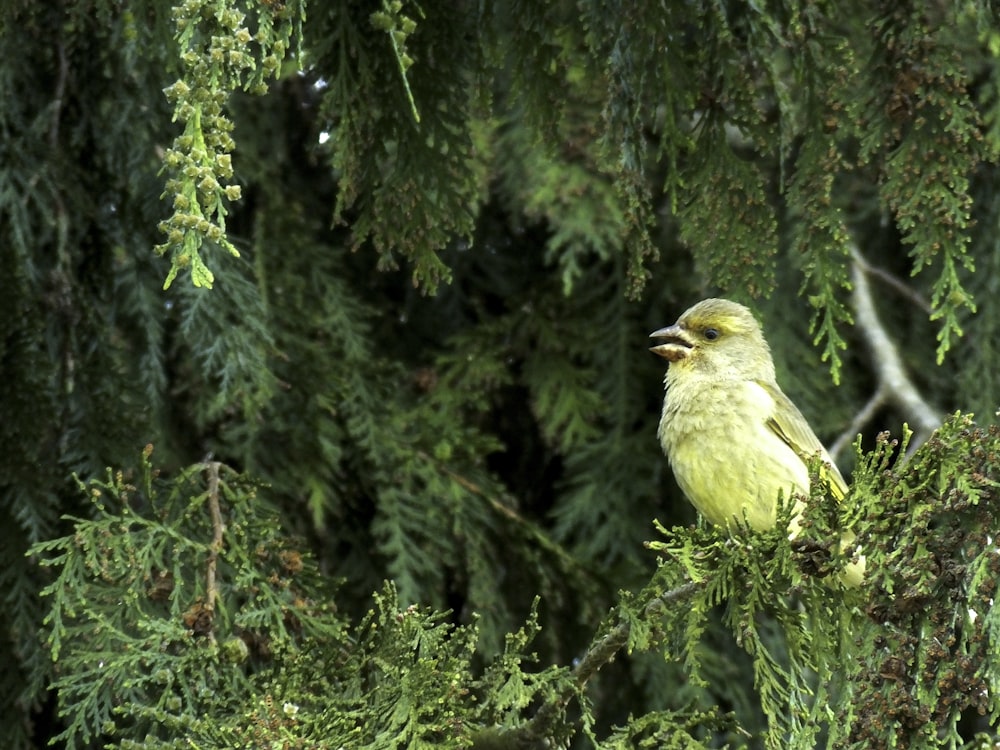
[(536, 731), (892, 376), (864, 414), (57, 102), (904, 289), (505, 510), (218, 530), (604, 650), (472, 487)]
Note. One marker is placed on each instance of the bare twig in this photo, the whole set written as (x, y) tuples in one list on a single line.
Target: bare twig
[(860, 420), (904, 289), (475, 489), (893, 379)]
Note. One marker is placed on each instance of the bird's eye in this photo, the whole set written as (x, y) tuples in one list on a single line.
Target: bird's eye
[(711, 334)]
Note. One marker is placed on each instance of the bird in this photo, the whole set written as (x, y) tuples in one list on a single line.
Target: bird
[(734, 440)]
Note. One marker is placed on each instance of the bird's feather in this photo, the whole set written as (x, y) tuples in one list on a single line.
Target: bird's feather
[(788, 423)]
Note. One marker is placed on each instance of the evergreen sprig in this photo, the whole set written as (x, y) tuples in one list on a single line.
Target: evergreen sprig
[(759, 579), (228, 346), (398, 26), (931, 627), (820, 237), (384, 158), (740, 253), (168, 598), (925, 113), (586, 228), (219, 55), (403, 678)]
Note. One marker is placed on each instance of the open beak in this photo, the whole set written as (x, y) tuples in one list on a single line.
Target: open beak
[(676, 343)]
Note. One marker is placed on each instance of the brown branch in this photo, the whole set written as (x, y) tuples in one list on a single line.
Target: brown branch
[(470, 486), (218, 529), (607, 646)]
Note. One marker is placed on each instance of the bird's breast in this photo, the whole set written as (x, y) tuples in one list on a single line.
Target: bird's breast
[(726, 459)]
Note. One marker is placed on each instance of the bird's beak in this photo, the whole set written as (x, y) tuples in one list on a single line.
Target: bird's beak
[(677, 344)]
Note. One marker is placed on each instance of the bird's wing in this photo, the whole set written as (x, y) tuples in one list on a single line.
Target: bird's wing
[(788, 423)]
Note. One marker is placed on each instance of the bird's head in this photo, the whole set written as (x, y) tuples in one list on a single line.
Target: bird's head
[(716, 336)]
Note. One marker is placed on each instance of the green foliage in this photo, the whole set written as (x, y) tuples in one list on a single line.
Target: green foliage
[(188, 604), (759, 580), (167, 597), (604, 466), (456, 225), (566, 188), (406, 685), (820, 239), (381, 154), (225, 340), (217, 58), (930, 637), (648, 731), (402, 678), (975, 364), (720, 181), (731, 185), (924, 111)]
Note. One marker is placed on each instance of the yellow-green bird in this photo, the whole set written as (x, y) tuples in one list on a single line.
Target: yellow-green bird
[(734, 439)]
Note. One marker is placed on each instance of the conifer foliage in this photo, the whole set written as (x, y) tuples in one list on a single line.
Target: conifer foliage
[(325, 413)]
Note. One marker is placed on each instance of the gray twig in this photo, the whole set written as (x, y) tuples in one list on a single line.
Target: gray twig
[(894, 383)]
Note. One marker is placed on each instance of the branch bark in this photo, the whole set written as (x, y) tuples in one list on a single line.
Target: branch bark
[(894, 383)]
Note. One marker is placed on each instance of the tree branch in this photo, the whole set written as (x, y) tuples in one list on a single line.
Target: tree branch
[(536, 731), (901, 287), (860, 420), (57, 101), (893, 380), (218, 529)]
